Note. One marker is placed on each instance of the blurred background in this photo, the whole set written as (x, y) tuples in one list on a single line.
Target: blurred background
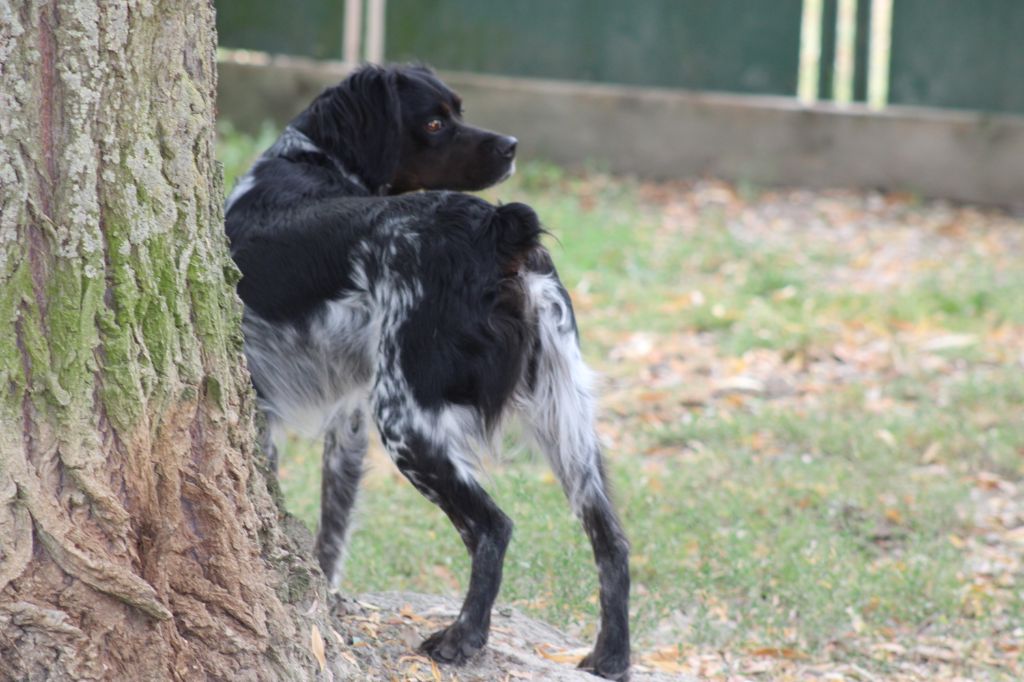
[(793, 233), (880, 87)]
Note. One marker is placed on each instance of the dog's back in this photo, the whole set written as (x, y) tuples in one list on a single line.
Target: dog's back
[(322, 277)]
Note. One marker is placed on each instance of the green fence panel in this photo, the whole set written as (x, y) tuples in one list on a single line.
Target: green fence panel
[(308, 28), (861, 51), (728, 45), (958, 53), (827, 55)]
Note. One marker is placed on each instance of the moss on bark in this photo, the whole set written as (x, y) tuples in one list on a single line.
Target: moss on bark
[(138, 539)]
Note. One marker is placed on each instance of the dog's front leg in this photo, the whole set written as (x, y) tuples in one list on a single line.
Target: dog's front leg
[(484, 528), (345, 445)]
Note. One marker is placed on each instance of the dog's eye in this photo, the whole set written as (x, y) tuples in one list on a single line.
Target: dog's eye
[(435, 125)]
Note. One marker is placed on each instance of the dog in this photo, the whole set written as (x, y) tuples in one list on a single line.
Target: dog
[(373, 287)]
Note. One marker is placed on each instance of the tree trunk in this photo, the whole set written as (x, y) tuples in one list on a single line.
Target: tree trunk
[(138, 537)]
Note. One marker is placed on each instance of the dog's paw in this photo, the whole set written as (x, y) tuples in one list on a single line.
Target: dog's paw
[(455, 644), (611, 666)]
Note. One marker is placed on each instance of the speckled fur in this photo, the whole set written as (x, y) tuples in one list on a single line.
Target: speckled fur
[(435, 315)]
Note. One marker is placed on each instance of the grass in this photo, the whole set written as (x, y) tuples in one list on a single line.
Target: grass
[(837, 509)]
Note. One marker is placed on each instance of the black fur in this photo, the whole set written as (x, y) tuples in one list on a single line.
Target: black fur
[(434, 312)]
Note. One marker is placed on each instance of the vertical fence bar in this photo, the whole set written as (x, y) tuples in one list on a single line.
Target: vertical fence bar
[(375, 31), (846, 31), (810, 51), (880, 53), (353, 30)]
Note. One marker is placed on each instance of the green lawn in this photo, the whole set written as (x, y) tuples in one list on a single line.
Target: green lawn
[(814, 409)]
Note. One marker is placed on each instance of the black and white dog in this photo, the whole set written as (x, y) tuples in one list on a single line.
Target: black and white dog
[(434, 312)]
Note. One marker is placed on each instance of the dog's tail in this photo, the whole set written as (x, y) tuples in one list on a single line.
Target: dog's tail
[(516, 231)]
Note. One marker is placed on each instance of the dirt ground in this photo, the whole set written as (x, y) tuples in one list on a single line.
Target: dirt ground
[(382, 631)]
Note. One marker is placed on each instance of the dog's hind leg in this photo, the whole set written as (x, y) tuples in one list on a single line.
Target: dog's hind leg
[(558, 407), (426, 454), (265, 427), (345, 445)]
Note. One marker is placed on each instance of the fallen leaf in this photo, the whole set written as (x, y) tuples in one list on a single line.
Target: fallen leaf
[(856, 622), (934, 653), (677, 303), (666, 659), (779, 652), (890, 648), (316, 643), (758, 666), (950, 342), (571, 657), (407, 613), (893, 515), (986, 480), (638, 345), (931, 453), (739, 384)]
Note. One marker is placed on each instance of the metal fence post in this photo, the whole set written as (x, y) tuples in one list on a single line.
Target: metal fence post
[(353, 30), (375, 22)]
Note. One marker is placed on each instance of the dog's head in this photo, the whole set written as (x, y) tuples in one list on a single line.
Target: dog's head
[(400, 129)]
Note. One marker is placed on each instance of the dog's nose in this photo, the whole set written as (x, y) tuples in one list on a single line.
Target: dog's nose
[(506, 147)]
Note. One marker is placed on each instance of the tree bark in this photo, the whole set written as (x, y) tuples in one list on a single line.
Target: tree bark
[(138, 537)]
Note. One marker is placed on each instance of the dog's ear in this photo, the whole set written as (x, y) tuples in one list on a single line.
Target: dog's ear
[(360, 123), (378, 117)]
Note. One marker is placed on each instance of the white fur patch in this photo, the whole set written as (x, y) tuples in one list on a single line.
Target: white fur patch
[(306, 378), (560, 408), (244, 184)]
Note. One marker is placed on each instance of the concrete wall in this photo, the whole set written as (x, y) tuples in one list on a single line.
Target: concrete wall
[(671, 134)]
